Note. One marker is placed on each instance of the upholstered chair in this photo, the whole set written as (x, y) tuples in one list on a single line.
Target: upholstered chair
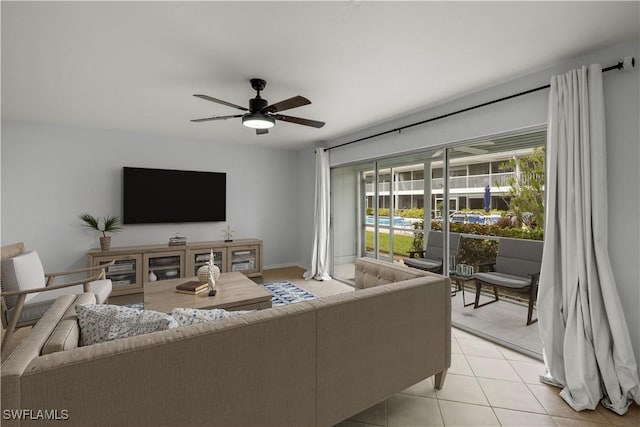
[(27, 292)]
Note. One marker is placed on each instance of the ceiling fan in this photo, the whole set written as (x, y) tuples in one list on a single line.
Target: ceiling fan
[(261, 116)]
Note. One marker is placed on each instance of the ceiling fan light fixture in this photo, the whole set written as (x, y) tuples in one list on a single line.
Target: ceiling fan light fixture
[(258, 121)]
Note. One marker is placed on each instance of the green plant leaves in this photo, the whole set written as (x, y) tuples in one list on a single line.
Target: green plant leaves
[(111, 223)]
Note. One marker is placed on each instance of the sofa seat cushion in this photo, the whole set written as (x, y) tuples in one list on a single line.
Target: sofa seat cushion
[(104, 322), (190, 316), (504, 280), (66, 335)]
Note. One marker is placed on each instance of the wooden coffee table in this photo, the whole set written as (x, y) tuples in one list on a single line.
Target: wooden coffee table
[(234, 292)]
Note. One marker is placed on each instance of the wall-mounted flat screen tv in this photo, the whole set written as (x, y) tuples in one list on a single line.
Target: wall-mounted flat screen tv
[(153, 196)]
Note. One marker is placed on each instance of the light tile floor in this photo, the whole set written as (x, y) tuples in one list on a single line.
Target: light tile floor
[(502, 321), (487, 385)]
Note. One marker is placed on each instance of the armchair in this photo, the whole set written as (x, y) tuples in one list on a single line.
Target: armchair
[(517, 268), (431, 257), (27, 292)]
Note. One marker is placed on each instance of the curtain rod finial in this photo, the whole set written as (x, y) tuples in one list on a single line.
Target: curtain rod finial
[(628, 63)]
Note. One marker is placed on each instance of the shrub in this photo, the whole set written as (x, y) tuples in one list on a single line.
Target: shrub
[(491, 230), (405, 213)]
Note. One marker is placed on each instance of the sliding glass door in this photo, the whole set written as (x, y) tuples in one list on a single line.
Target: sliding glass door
[(398, 204), (385, 208), (345, 220)]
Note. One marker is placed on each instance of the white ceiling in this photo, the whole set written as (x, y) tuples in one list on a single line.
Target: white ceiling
[(134, 66)]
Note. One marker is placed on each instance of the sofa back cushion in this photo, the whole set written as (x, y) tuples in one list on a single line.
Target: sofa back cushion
[(66, 334), (373, 272)]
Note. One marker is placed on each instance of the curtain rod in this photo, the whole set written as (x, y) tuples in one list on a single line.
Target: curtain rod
[(626, 64)]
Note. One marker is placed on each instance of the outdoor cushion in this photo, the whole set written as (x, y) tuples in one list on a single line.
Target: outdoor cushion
[(432, 260), (423, 263), (504, 280), (519, 257)]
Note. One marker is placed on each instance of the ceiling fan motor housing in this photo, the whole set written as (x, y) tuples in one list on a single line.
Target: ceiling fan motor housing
[(257, 104)]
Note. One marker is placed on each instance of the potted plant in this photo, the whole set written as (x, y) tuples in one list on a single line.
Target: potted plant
[(111, 224)]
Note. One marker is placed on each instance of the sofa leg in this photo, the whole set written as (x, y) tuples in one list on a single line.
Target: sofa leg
[(439, 379)]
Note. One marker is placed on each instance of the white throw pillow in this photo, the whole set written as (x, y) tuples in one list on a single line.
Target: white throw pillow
[(189, 316), (104, 322)]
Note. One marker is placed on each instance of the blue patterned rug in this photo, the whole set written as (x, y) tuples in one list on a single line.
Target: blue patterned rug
[(285, 292), (138, 305)]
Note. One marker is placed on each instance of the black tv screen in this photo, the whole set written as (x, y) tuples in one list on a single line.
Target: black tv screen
[(152, 196)]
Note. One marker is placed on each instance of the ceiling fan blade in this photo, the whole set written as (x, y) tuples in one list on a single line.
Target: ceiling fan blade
[(298, 120), (219, 101), (217, 118), (287, 104), (261, 131)]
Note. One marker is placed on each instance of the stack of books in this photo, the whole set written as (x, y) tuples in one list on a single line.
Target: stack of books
[(178, 241), (192, 287)]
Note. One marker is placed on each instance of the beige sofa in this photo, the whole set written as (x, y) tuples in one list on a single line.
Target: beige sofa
[(312, 363)]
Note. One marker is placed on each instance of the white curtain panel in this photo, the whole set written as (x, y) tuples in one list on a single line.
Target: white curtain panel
[(587, 348), (319, 269)]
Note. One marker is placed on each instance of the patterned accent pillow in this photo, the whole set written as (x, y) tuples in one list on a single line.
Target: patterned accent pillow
[(104, 322), (189, 316)]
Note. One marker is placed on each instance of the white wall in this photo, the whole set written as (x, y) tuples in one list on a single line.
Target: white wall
[(622, 95), (50, 174)]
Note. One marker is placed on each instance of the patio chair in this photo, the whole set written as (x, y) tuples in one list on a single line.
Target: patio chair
[(27, 292), (517, 268), (431, 258)]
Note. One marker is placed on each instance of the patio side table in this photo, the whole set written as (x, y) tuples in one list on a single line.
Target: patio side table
[(460, 281)]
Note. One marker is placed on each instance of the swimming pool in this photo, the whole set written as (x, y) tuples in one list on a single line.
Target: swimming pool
[(398, 221)]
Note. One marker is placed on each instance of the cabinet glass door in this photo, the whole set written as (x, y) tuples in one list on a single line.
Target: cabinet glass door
[(124, 274), (244, 259), (163, 267), (201, 257)]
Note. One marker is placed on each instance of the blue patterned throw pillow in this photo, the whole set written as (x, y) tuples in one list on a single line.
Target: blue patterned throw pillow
[(189, 316), (103, 322)]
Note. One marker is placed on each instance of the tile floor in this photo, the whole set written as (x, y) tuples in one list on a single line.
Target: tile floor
[(502, 321), (487, 385)]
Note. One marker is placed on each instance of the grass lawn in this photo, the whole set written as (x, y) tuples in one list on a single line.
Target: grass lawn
[(401, 244)]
